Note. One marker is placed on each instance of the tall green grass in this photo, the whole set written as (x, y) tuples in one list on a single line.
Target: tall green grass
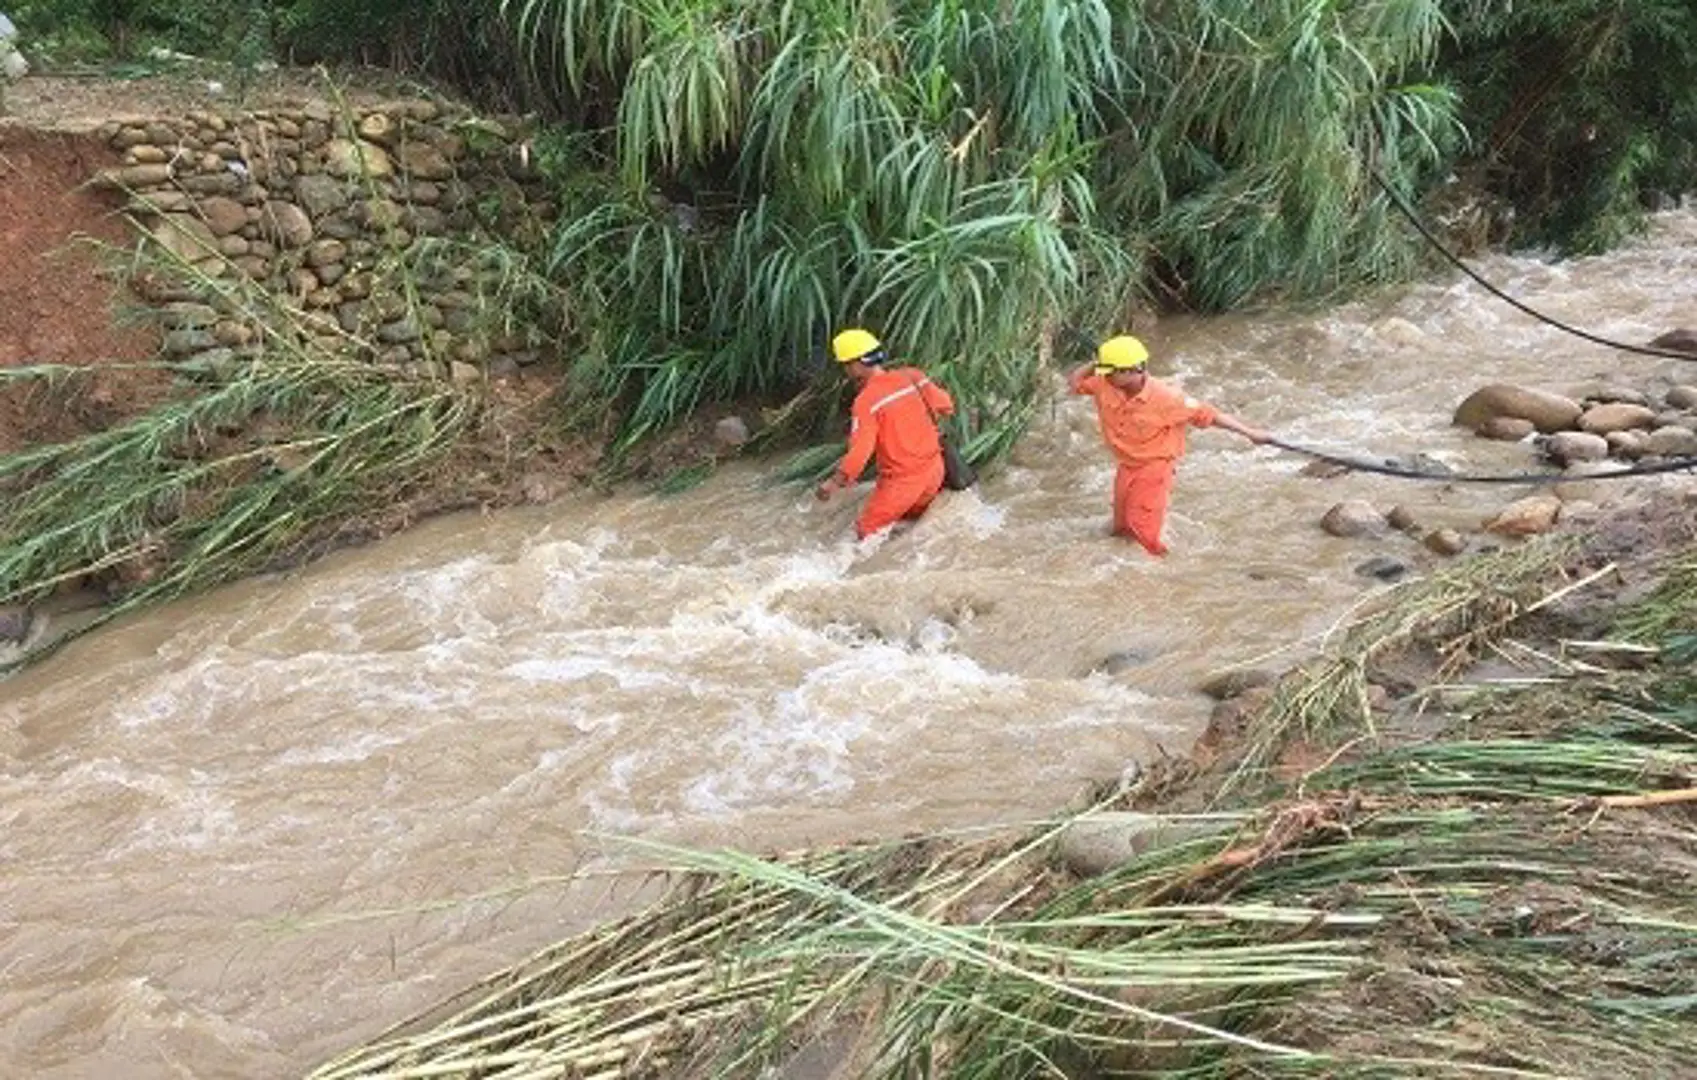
[(959, 177)]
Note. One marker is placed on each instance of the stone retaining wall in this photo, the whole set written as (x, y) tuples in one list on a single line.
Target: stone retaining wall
[(325, 209)]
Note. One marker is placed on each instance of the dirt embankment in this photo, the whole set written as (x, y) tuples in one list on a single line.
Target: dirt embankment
[(58, 236), (57, 306)]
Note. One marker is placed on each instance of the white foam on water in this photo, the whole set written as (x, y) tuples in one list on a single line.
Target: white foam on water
[(184, 811), (578, 667), (851, 710), (784, 756), (356, 747)]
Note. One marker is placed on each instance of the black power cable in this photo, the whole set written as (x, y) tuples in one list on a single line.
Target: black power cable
[(1455, 260), (1386, 468)]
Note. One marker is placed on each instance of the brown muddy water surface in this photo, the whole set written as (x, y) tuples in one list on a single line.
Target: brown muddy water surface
[(246, 831)]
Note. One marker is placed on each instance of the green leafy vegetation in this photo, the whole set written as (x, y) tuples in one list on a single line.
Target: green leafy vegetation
[(963, 177), (1583, 112)]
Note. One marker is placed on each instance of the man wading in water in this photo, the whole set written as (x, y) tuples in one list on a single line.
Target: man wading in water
[(894, 414), (1143, 422)]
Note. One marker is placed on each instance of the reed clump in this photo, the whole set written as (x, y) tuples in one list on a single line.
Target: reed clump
[(253, 462)]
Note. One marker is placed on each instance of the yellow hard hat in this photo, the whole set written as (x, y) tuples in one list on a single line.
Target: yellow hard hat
[(1121, 353), (853, 344)]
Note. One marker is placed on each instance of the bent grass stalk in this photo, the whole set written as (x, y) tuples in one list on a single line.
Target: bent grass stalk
[(189, 495)]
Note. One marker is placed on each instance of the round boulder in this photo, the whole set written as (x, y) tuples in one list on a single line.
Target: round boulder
[(1527, 517), (1353, 517), (1402, 519), (186, 238), (1547, 412), (1617, 416), (1445, 542), (287, 224), (351, 159), (1627, 444), (1677, 341), (223, 215), (1507, 428), (1566, 447), (1611, 393), (1096, 844), (731, 431), (378, 127), (1672, 442)]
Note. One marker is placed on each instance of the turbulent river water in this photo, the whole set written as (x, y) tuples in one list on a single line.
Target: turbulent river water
[(244, 832)]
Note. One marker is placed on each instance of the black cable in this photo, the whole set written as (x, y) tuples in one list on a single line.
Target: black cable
[(1677, 464), (1386, 469), (1455, 260)]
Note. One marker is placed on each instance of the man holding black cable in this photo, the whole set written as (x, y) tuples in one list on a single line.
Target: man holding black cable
[(1143, 422)]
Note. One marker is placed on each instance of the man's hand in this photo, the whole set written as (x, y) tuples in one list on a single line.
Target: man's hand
[(829, 487), (1078, 374), (1255, 435)]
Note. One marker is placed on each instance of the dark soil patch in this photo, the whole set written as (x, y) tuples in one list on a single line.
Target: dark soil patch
[(56, 306)]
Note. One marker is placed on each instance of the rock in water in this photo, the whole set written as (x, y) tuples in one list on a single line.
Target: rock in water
[(1548, 412), (1527, 517), (1681, 340), (14, 625), (1382, 568), (1353, 517)]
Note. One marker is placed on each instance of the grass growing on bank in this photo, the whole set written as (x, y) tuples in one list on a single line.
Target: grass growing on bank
[(258, 461), (183, 499), (1504, 890)]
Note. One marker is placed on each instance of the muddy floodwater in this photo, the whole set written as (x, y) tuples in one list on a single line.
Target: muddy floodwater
[(244, 832)]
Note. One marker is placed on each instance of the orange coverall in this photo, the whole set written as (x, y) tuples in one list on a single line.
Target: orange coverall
[(1146, 433), (891, 421)]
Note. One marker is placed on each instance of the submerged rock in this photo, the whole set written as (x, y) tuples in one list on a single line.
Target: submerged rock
[(1445, 542), (1677, 340), (1124, 660), (1353, 517), (14, 624), (1229, 684), (1382, 568)]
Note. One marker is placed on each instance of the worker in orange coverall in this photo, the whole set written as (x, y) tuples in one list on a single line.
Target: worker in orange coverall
[(894, 422), (1143, 422)]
